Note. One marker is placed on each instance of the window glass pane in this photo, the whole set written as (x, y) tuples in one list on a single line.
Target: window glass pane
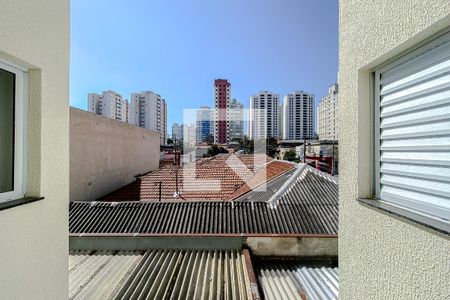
[(6, 131)]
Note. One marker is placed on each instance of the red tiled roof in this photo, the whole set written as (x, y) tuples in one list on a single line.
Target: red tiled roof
[(223, 177)]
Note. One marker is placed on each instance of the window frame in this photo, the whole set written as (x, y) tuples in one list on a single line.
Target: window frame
[(420, 217), (20, 131)]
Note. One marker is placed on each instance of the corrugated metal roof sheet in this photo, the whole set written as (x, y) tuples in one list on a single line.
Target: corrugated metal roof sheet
[(309, 206), (293, 282), (312, 186), (271, 188), (99, 275), (159, 274), (305, 184)]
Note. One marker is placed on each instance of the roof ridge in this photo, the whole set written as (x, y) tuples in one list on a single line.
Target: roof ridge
[(265, 182), (273, 201), (322, 174), (298, 176)]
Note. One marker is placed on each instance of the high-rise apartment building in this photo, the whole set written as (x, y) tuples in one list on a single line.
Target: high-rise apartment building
[(298, 116), (109, 104), (177, 133), (189, 133), (204, 124), (149, 110), (327, 113), (235, 117), (265, 117), (222, 94)]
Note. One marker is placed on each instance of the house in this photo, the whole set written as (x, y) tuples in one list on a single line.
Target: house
[(222, 177)]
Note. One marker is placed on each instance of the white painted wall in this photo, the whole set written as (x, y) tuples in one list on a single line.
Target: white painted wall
[(34, 242), (381, 256), (106, 154)]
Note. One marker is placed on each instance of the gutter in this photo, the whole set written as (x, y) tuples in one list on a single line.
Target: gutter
[(162, 235), (251, 275)]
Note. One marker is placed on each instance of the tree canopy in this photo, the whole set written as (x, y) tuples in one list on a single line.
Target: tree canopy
[(214, 150), (290, 155)]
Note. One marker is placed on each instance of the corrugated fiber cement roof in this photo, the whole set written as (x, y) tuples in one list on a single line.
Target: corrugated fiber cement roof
[(158, 274)]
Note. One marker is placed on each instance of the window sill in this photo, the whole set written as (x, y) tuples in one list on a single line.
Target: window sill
[(18, 202), (438, 225)]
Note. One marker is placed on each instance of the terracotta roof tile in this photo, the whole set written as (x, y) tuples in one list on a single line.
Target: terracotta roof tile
[(223, 177)]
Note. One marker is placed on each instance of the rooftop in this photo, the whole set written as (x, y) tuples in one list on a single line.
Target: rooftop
[(158, 274), (222, 177), (305, 204), (195, 274), (289, 281)]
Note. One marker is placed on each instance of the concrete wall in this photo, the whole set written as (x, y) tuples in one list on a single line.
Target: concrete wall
[(381, 256), (293, 247), (146, 242), (34, 242), (106, 154)]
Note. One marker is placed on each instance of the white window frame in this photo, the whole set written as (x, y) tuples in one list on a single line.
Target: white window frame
[(415, 52), (20, 131)]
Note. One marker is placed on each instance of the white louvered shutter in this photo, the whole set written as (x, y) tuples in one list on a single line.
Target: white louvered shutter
[(412, 119)]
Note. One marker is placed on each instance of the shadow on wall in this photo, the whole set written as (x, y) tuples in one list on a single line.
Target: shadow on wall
[(130, 192)]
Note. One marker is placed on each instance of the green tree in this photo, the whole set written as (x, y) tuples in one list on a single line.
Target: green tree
[(246, 144), (290, 155), (214, 150), (272, 147), (210, 139)]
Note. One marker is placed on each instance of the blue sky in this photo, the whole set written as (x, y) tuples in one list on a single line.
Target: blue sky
[(177, 48)]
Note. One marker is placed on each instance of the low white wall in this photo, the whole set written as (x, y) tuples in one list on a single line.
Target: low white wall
[(106, 154), (293, 247)]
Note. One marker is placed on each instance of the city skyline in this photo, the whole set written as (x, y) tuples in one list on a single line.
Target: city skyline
[(113, 105), (189, 57)]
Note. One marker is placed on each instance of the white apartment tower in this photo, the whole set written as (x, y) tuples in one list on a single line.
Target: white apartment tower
[(265, 117), (149, 110), (109, 104), (298, 116), (327, 113), (235, 117), (177, 132)]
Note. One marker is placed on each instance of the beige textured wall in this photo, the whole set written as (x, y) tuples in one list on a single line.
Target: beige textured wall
[(34, 242), (381, 256), (106, 154)]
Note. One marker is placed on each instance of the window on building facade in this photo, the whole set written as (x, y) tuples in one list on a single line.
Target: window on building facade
[(412, 131), (12, 132)]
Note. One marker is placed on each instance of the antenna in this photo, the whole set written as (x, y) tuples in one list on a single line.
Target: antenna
[(160, 189), (176, 180)]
